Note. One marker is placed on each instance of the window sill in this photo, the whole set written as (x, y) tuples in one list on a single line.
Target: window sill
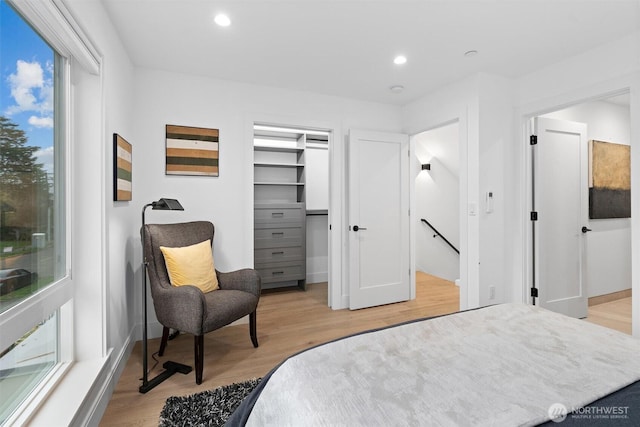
[(73, 400)]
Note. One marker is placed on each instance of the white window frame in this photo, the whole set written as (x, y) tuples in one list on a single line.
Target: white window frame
[(54, 23)]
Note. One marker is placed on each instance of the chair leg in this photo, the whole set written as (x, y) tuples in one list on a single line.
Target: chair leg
[(163, 343), (198, 347), (252, 329)]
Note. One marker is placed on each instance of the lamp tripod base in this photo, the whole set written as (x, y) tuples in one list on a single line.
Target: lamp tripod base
[(170, 369)]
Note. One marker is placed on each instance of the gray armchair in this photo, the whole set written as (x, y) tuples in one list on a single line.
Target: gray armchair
[(187, 308)]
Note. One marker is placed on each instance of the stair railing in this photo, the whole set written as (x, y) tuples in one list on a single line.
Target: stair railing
[(440, 235)]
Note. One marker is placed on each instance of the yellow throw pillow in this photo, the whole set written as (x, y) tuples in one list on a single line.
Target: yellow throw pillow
[(191, 265)]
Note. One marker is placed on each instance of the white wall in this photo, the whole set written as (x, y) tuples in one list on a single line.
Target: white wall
[(120, 228), (317, 248), (168, 98), (483, 105), (317, 198), (494, 111), (437, 198), (608, 254), (119, 225), (494, 169)]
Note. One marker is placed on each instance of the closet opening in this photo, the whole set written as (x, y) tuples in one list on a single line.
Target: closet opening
[(291, 205)]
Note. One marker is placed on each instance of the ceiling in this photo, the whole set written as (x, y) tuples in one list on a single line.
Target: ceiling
[(346, 47)]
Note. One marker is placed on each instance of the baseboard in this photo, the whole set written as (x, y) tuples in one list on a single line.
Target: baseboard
[(318, 277), (344, 303), (601, 299)]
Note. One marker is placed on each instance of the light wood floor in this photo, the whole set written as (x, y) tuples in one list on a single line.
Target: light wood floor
[(288, 321), (615, 315)]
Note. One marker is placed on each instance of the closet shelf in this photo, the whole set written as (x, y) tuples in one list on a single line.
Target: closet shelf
[(279, 165), (279, 183), (318, 212), (279, 149)]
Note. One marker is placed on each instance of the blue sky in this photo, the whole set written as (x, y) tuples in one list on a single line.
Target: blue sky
[(26, 82)]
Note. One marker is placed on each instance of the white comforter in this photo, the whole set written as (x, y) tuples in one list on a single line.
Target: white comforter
[(500, 365)]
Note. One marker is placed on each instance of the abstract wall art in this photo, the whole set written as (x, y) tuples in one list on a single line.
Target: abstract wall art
[(609, 180), (122, 169), (192, 151)]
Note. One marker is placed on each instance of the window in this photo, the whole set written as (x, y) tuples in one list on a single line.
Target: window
[(33, 238)]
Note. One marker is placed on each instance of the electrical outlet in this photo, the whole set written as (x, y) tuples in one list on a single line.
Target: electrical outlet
[(492, 292)]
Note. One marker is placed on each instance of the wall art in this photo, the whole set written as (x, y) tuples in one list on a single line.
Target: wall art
[(122, 169), (192, 151), (609, 180)]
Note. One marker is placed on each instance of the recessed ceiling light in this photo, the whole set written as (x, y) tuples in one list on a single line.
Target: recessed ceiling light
[(399, 60), (222, 20), (396, 88), (470, 53)]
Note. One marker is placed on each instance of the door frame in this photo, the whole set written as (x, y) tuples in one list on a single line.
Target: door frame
[(524, 123), (337, 209), (468, 146), (415, 168)]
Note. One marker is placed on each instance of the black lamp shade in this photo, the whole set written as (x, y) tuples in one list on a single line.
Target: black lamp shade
[(426, 167), (167, 205)]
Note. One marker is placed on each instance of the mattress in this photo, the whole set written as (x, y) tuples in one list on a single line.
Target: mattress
[(509, 364)]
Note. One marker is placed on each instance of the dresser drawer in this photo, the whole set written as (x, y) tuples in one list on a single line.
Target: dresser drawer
[(278, 237), (281, 272), (279, 254), (277, 214)]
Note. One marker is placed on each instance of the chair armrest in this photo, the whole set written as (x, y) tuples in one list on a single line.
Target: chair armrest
[(247, 280), (181, 308)]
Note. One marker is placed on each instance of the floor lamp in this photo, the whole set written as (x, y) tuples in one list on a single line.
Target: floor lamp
[(169, 366)]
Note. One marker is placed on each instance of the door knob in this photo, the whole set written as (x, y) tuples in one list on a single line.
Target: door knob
[(585, 229), (356, 228)]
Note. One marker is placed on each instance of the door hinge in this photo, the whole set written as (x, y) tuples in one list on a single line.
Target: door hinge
[(534, 292), (533, 140), (534, 216)]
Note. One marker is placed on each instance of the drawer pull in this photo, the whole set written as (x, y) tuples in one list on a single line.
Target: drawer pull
[(277, 214), (277, 272), (278, 233), (277, 253)]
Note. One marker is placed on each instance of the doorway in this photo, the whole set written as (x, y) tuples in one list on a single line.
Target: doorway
[(291, 205), (437, 202), (604, 243)]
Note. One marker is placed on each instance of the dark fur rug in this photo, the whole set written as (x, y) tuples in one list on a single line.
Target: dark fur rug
[(207, 408)]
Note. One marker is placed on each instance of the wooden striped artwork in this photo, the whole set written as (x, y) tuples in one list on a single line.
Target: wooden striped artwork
[(122, 168), (192, 151)]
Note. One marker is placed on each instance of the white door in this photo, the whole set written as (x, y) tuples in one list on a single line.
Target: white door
[(379, 269), (561, 201)]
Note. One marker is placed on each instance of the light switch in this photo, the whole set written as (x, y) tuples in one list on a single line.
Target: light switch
[(473, 209), (489, 201)]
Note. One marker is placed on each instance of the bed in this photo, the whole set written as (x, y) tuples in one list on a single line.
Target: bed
[(503, 365)]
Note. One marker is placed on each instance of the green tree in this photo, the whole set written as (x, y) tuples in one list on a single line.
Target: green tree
[(24, 188)]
